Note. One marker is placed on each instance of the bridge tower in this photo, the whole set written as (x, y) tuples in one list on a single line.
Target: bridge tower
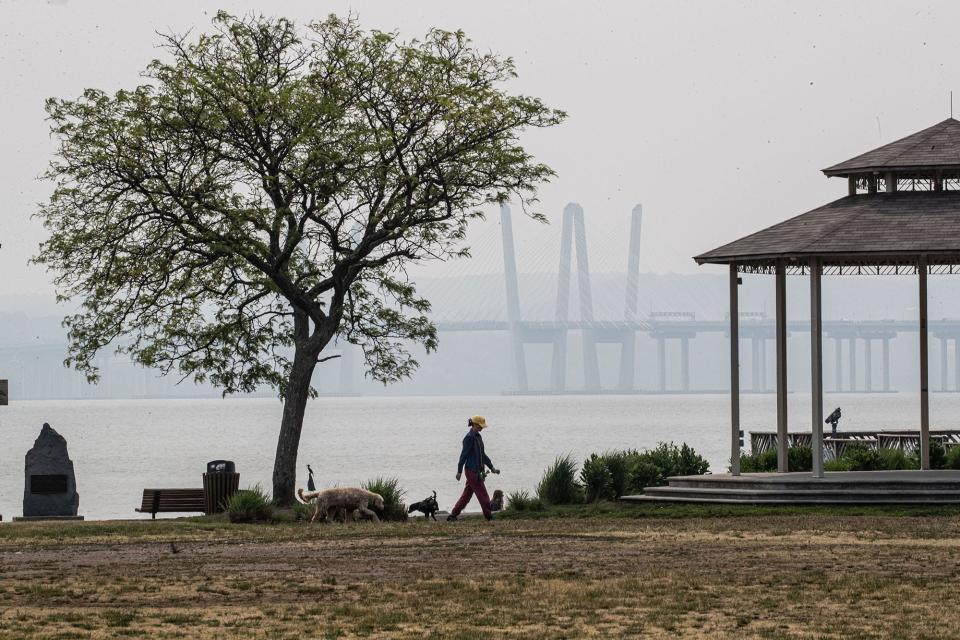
[(513, 300)]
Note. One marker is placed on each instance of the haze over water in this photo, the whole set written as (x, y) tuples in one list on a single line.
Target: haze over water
[(120, 447)]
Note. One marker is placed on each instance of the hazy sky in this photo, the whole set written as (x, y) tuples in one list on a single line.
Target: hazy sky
[(717, 116)]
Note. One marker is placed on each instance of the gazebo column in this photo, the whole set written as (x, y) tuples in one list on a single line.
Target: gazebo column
[(781, 320), (734, 372), (816, 368), (924, 365)]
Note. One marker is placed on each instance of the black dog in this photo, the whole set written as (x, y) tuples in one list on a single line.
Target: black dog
[(427, 507)]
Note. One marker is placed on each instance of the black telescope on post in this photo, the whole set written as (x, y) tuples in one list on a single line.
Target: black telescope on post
[(833, 419)]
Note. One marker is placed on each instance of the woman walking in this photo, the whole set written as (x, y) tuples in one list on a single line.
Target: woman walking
[(473, 459)]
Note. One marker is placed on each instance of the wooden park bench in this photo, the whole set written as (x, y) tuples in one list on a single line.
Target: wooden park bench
[(171, 501)]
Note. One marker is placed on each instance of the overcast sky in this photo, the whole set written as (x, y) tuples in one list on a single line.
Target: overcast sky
[(717, 116)]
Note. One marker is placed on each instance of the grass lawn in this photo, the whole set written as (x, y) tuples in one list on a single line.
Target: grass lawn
[(601, 571)]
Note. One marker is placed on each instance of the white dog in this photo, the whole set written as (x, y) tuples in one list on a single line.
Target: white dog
[(348, 498)]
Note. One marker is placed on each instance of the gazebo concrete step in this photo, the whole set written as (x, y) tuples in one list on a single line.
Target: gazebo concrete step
[(813, 485), (801, 496)]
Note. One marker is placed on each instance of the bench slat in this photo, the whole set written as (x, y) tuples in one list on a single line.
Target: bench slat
[(177, 500)]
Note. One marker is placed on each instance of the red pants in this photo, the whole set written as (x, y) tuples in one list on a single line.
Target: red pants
[(474, 486)]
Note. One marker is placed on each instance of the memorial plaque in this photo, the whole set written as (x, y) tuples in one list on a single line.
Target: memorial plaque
[(48, 484), (4, 392)]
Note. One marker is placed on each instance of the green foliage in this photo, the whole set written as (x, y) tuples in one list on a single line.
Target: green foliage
[(559, 483), (839, 464), (938, 455), (765, 462), (895, 460), (952, 458), (596, 478), (250, 505), (800, 458), (677, 461), (523, 501), (389, 488)]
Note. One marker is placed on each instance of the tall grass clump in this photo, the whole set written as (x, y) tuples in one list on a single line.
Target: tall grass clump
[(389, 488), (952, 458), (559, 483), (522, 501), (249, 505)]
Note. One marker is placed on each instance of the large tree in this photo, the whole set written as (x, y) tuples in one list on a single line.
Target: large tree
[(262, 193)]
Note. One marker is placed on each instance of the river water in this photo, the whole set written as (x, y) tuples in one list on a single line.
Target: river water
[(119, 447)]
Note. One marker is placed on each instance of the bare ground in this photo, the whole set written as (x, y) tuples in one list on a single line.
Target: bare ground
[(790, 575)]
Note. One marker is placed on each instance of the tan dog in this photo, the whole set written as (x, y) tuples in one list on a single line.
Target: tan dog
[(349, 498)]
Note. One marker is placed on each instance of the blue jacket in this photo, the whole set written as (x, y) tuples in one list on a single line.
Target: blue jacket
[(472, 457)]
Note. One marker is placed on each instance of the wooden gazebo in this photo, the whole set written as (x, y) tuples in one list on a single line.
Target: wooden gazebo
[(901, 216)]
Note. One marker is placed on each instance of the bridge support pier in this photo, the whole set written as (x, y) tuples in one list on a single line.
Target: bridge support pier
[(853, 363), (685, 364), (868, 364), (662, 362), (838, 356), (886, 364), (943, 364)]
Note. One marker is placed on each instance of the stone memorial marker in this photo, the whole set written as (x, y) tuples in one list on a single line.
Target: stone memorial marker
[(51, 487)]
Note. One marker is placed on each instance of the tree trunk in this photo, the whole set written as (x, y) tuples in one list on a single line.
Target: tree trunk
[(294, 406)]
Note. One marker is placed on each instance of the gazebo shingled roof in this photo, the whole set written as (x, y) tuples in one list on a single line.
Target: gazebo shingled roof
[(878, 227), (934, 147)]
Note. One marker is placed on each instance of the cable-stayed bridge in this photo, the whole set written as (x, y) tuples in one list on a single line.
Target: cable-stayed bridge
[(621, 326)]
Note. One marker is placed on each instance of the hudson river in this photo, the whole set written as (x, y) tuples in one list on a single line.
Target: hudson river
[(119, 447)]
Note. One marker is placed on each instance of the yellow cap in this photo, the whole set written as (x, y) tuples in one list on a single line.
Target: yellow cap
[(479, 421)]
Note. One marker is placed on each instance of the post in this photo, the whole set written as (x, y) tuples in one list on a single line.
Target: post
[(816, 368), (685, 363), (781, 304), (734, 373), (924, 373)]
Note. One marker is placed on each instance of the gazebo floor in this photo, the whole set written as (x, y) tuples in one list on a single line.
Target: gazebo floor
[(836, 487)]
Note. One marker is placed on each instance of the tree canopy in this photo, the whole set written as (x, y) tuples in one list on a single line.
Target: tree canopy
[(263, 193)]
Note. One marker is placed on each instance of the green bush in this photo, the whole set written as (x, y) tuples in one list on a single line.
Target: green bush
[(800, 458), (559, 483), (952, 458), (839, 464), (644, 473), (676, 461), (862, 458), (523, 501), (759, 463), (895, 460), (938, 455), (597, 479), (393, 507), (249, 505)]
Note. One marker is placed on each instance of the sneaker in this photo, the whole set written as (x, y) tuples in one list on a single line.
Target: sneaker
[(451, 518)]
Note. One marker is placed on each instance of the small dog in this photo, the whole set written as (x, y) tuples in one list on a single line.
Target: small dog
[(428, 507)]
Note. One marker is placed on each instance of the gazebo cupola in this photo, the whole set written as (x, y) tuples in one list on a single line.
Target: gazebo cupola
[(928, 160), (901, 216)]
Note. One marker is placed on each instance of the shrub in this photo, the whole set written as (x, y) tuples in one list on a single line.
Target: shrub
[(644, 473), (393, 506), (249, 505), (523, 501), (938, 455), (800, 458), (597, 479), (559, 483), (952, 458), (862, 458), (759, 463), (895, 460), (840, 464), (676, 461)]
